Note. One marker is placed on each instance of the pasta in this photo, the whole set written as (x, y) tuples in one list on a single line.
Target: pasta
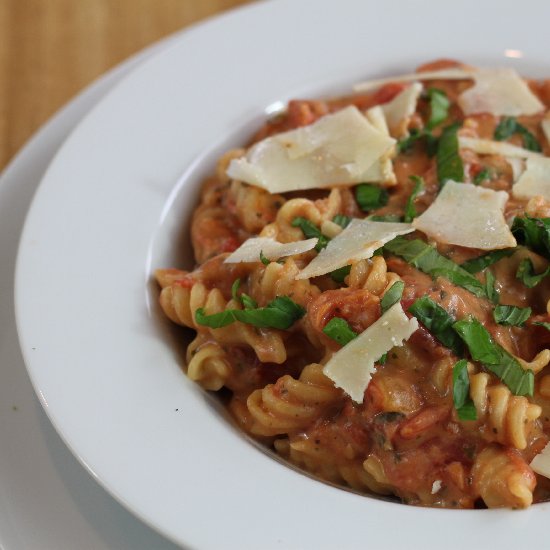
[(453, 413)]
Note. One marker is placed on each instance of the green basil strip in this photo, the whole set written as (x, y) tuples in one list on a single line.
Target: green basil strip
[(439, 106), (511, 315), (392, 296), (543, 324), (449, 163), (430, 261), (248, 301), (370, 197), (234, 288), (263, 259), (509, 126), (495, 358), (490, 288), (438, 321), (383, 359), (280, 313), (406, 143), (386, 218), (338, 275), (410, 209), (481, 262), (526, 273), (534, 233), (341, 220), (482, 176), (338, 329), (310, 231), (461, 392)]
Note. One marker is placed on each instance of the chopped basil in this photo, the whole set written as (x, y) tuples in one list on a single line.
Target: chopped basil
[(386, 218), (370, 197), (280, 313), (338, 329), (438, 321), (234, 288), (383, 359), (534, 233), (543, 324), (490, 289), (526, 273), (248, 301), (311, 231), (392, 296), (342, 220), (511, 315), (263, 259), (480, 177), (439, 106), (509, 126), (410, 209), (449, 163), (494, 358), (340, 274), (430, 261), (461, 392), (406, 143), (481, 262)]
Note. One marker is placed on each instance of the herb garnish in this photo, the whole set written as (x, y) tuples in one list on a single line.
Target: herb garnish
[(481, 176), (439, 106), (463, 403), (341, 220), (386, 218), (438, 321), (338, 329), (494, 357), (509, 126), (533, 233), (511, 315), (310, 231), (247, 301), (410, 209), (449, 163), (491, 290), (392, 296), (370, 197), (263, 259), (340, 274), (526, 273), (280, 313), (481, 262), (430, 261), (543, 324)]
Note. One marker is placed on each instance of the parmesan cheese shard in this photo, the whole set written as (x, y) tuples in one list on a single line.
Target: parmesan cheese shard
[(338, 149), (250, 250), (541, 462), (399, 110), (499, 92), (351, 368), (467, 215), (545, 124), (443, 74), (382, 169), (490, 147), (357, 241), (518, 167), (535, 181)]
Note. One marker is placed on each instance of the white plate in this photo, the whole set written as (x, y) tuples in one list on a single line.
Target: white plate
[(49, 502), (108, 211)]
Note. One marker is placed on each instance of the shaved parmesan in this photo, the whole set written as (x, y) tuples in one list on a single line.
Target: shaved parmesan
[(357, 241), (517, 165), (489, 147), (351, 368), (535, 181), (541, 462), (338, 149), (399, 110), (545, 124), (443, 74), (499, 92), (250, 250), (436, 486), (382, 169), (467, 215)]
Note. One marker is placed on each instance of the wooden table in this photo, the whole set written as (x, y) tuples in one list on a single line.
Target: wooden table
[(51, 49)]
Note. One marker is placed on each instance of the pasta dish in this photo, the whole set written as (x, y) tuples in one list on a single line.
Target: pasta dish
[(371, 295)]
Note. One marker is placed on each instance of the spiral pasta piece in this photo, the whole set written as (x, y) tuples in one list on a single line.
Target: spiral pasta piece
[(290, 404), (501, 477), (372, 275), (208, 364), (508, 418), (181, 303)]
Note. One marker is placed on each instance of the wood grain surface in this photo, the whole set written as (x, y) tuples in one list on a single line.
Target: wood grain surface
[(51, 49)]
